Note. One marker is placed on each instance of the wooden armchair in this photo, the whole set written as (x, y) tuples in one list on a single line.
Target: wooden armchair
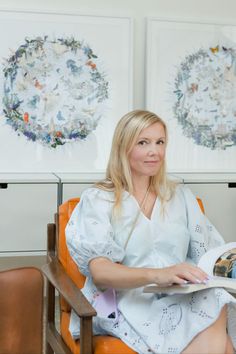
[(63, 274)]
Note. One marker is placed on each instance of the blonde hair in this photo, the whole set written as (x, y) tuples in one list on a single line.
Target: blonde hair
[(118, 173)]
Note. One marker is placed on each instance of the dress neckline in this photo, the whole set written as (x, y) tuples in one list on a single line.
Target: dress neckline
[(138, 206)]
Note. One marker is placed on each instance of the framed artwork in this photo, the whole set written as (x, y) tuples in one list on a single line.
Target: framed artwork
[(191, 84), (65, 81)]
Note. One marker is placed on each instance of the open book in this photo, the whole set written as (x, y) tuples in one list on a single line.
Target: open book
[(219, 263)]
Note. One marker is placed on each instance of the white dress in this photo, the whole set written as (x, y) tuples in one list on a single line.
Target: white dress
[(148, 323)]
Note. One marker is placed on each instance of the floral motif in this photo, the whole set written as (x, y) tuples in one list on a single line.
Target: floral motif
[(205, 89), (200, 309), (170, 319), (54, 90)]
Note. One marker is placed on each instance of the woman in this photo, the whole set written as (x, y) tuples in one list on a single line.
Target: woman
[(136, 228)]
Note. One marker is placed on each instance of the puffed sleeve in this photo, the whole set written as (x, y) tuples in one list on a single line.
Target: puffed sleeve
[(203, 235), (89, 233)]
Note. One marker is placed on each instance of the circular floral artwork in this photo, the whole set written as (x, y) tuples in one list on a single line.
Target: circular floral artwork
[(55, 91), (205, 91)]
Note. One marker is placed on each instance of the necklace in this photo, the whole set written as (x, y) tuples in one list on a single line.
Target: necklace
[(137, 215), (142, 205)]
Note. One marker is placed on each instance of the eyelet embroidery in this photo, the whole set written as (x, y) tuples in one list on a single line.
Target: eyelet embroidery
[(170, 319), (198, 229)]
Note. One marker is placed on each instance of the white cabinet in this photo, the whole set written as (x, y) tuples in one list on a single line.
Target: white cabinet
[(220, 205), (26, 206), (219, 200), (30, 201), (72, 184), (74, 190)]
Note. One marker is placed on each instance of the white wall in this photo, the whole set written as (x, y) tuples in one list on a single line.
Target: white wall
[(222, 11), (204, 10)]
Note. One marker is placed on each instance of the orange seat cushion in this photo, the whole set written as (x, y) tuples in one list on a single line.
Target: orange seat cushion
[(101, 344), (110, 345)]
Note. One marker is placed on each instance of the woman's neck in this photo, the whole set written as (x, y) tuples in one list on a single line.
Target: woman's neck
[(144, 195), (141, 184)]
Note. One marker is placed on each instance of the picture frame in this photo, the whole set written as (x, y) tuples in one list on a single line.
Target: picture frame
[(66, 79), (190, 81)]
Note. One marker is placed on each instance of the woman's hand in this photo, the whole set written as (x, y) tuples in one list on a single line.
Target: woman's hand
[(178, 274)]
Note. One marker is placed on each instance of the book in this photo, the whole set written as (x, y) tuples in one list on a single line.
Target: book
[(219, 263)]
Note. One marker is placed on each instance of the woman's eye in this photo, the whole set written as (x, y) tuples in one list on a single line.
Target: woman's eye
[(160, 142), (142, 142)]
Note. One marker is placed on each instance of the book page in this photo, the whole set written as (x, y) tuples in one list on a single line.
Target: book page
[(208, 260), (227, 283)]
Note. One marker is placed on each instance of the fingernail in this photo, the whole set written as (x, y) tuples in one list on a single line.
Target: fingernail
[(198, 281)]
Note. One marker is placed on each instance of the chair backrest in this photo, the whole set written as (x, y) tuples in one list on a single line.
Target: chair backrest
[(65, 211), (200, 203), (21, 311)]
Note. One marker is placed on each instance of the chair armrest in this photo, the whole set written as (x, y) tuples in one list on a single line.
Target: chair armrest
[(57, 276)]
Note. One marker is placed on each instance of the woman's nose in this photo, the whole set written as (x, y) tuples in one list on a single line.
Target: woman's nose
[(153, 149), (151, 152)]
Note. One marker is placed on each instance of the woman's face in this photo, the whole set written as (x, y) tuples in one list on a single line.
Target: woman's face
[(148, 153)]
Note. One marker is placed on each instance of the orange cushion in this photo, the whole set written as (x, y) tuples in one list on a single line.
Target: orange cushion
[(101, 344), (65, 211), (110, 345), (200, 203)]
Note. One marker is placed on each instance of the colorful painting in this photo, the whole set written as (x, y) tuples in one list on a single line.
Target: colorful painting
[(65, 81), (191, 84), (205, 89), (55, 91)]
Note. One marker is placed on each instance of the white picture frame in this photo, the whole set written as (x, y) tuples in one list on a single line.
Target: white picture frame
[(111, 41), (174, 58)]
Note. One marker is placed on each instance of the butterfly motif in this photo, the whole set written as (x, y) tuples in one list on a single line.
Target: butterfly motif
[(214, 50), (179, 94), (60, 116), (193, 87), (26, 117), (38, 85), (91, 64)]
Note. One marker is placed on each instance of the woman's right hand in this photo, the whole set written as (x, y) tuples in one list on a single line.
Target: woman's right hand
[(178, 274)]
